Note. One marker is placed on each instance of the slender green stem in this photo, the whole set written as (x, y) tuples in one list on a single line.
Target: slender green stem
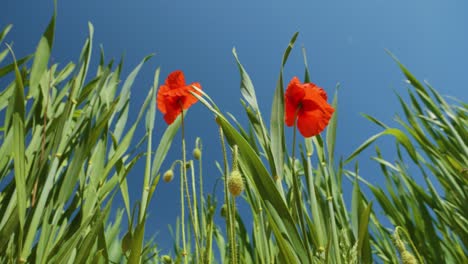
[(209, 240), (202, 200), (332, 217), (182, 215), (297, 197), (184, 178), (195, 210), (226, 197), (233, 231)]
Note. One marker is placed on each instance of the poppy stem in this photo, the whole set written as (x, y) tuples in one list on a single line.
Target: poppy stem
[(187, 192), (230, 230), (296, 192)]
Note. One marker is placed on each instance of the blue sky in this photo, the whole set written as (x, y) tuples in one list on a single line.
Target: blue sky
[(345, 42)]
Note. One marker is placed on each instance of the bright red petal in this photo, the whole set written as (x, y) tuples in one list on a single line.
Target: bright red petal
[(172, 114), (188, 99), (310, 87), (312, 122), (161, 99), (174, 95), (175, 80), (295, 91), (289, 112), (292, 100)]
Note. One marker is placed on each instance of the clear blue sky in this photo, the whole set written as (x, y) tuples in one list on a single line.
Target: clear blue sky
[(345, 42)]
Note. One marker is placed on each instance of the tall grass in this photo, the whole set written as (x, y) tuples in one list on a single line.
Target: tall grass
[(66, 150)]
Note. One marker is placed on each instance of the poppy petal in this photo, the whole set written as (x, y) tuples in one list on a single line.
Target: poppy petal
[(172, 114), (295, 91), (175, 80), (175, 95), (311, 123), (161, 98), (188, 100), (290, 112), (312, 89)]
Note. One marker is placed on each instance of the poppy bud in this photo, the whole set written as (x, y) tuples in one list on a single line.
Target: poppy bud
[(197, 153), (168, 176), (235, 183), (223, 211), (211, 210), (166, 259)]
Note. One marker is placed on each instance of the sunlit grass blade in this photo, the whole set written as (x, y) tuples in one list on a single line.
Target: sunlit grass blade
[(42, 55), (277, 139)]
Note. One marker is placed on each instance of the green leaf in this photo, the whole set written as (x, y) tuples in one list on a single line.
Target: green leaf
[(150, 116), (363, 238), (137, 244), (125, 97), (18, 100), (404, 140), (398, 134), (247, 88), (263, 183), (164, 145), (277, 141), (42, 55), (11, 67), (20, 167), (331, 130), (5, 32)]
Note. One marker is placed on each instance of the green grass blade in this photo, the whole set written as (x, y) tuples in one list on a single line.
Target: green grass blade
[(11, 67), (247, 88), (20, 167), (277, 141), (42, 55)]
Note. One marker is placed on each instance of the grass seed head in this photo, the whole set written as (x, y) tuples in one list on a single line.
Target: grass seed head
[(235, 183)]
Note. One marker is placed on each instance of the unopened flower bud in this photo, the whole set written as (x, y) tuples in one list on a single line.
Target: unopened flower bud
[(235, 183), (166, 259), (223, 211), (168, 176), (197, 153)]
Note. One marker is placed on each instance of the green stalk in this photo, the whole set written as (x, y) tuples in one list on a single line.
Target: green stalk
[(226, 197), (182, 215), (184, 177), (264, 243), (297, 197), (202, 200), (233, 231), (195, 213), (333, 222), (209, 239), (135, 257)]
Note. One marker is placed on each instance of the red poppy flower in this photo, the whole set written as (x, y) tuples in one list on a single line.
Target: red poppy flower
[(174, 96), (308, 103)]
